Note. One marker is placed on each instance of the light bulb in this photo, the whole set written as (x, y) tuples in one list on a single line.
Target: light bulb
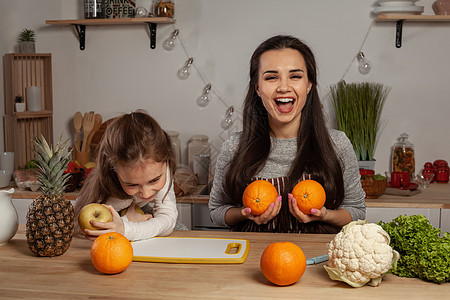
[(227, 121), (170, 43), (185, 71), (364, 65), (204, 99)]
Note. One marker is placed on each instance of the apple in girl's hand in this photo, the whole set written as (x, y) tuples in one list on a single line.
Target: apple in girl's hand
[(93, 211)]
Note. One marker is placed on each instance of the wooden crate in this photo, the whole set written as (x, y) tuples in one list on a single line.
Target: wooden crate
[(20, 71)]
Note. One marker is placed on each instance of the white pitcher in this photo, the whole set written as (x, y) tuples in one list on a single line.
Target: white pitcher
[(9, 221)]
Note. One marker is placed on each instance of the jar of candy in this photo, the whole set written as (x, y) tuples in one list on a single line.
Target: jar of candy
[(403, 155)]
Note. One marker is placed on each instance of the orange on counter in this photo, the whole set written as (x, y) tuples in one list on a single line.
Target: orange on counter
[(309, 194), (283, 263), (111, 253), (258, 195)]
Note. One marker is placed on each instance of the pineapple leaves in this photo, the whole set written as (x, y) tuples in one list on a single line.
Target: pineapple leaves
[(52, 162)]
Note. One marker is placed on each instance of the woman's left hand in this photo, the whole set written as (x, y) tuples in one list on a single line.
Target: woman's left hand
[(316, 214)]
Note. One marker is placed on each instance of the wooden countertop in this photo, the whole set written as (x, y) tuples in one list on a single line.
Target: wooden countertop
[(437, 196), (72, 275)]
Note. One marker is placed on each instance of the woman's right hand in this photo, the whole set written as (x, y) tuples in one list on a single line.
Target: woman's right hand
[(266, 216)]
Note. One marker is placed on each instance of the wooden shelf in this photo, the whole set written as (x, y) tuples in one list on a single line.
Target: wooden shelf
[(414, 18), (80, 25), (410, 18), (33, 114)]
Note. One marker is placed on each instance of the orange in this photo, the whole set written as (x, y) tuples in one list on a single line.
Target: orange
[(283, 263), (111, 253), (309, 194), (258, 195)]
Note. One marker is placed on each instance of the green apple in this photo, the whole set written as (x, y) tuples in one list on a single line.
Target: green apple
[(93, 211)]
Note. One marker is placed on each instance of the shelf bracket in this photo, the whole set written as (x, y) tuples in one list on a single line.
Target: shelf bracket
[(398, 34), (81, 30), (152, 28)]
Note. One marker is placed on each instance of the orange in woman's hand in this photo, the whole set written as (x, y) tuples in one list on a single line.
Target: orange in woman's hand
[(309, 194), (258, 195), (111, 253), (283, 263)]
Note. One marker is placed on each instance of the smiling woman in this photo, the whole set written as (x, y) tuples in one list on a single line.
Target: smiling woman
[(285, 140)]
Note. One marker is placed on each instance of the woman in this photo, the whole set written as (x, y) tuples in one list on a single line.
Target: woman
[(284, 140), (135, 167)]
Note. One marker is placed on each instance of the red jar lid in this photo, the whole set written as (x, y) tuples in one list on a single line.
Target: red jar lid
[(440, 162), (366, 172)]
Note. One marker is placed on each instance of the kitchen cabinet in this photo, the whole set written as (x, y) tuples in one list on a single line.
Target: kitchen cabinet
[(19, 72), (445, 220), (376, 214), (80, 26), (399, 19)]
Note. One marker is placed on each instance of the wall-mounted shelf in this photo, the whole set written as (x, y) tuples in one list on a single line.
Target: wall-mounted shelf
[(80, 26), (412, 18)]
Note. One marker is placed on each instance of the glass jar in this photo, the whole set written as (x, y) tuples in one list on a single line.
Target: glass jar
[(164, 8), (93, 9), (198, 144), (403, 156), (176, 145)]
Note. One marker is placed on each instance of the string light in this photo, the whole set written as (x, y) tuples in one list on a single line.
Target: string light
[(204, 99), (170, 42), (185, 71), (227, 121), (364, 65)]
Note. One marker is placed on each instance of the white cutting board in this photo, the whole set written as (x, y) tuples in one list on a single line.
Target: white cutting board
[(191, 250)]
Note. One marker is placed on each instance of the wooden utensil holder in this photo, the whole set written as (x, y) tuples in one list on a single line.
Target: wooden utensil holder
[(82, 157)]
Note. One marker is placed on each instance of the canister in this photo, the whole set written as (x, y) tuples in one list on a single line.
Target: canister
[(175, 144), (198, 144)]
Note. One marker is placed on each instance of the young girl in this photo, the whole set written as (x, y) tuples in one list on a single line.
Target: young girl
[(135, 167)]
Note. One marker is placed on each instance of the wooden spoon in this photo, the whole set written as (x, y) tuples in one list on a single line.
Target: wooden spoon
[(97, 123), (88, 125), (77, 122)]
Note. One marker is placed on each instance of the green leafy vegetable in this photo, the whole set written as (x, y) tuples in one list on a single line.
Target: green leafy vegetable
[(423, 252)]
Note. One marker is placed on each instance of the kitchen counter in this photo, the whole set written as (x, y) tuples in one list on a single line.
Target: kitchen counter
[(72, 275), (437, 196)]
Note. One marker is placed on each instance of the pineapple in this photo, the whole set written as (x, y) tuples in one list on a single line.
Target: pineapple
[(50, 217)]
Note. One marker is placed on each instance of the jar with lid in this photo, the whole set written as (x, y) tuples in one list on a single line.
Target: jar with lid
[(164, 8), (403, 155), (198, 144), (442, 171), (175, 140), (428, 169)]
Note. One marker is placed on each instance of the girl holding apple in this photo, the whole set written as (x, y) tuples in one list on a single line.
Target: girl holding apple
[(135, 168)]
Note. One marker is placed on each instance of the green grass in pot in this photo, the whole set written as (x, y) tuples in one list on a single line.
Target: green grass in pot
[(358, 108)]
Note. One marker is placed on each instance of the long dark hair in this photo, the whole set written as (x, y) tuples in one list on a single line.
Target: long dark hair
[(315, 151), (128, 139)]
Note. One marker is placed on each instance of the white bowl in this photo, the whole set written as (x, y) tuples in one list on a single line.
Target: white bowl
[(5, 178)]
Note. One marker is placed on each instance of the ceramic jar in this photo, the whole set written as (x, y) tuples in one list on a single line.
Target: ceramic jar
[(441, 7), (9, 220)]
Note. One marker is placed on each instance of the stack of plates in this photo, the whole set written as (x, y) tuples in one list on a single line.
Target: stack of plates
[(404, 7)]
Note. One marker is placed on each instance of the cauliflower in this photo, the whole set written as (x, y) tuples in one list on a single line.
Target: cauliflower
[(360, 254)]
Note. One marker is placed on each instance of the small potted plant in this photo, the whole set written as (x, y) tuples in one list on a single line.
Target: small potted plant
[(27, 40), (19, 103)]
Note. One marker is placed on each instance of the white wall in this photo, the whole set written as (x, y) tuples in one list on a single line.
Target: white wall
[(118, 72)]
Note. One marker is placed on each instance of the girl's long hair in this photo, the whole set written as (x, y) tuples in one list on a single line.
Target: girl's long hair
[(315, 151), (128, 139)]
